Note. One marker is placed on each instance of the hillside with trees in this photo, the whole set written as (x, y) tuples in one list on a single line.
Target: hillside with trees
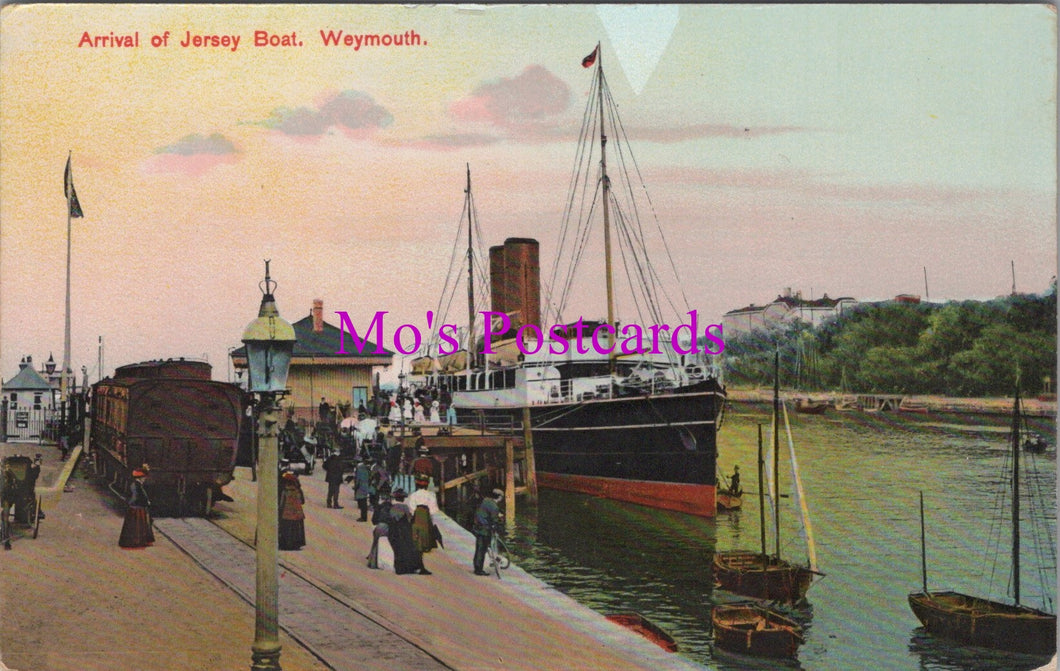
[(960, 348)]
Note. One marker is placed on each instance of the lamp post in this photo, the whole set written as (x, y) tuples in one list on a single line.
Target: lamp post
[(269, 342)]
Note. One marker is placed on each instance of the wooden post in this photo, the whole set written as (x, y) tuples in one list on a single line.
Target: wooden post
[(440, 480), (531, 469), (509, 481)]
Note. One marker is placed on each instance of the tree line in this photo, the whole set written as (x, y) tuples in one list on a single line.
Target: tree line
[(959, 348)]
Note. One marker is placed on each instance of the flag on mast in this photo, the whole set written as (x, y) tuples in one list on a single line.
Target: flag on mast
[(70, 193), (588, 61)]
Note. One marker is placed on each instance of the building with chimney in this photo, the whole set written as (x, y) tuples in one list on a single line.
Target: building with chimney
[(787, 308), (319, 371)]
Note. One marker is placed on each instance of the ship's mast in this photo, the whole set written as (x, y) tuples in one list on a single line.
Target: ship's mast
[(470, 275), (606, 192)]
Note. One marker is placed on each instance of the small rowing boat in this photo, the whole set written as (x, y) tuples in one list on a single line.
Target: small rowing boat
[(753, 629), (638, 623)]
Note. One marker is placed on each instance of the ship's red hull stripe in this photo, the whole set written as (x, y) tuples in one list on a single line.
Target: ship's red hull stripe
[(682, 497)]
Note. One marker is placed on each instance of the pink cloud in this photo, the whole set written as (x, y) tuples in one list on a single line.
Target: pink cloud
[(192, 155), (534, 95), (353, 112)]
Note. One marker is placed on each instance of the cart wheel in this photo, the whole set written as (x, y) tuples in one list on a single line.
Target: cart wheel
[(36, 517)]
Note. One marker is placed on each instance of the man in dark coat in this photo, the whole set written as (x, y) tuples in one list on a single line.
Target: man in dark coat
[(485, 519), (333, 476)]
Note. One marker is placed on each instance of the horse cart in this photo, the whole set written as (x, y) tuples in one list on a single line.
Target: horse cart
[(19, 503)]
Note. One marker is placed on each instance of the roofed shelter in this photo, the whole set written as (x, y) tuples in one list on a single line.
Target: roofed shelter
[(319, 371)]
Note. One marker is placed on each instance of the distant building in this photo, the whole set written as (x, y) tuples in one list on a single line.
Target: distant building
[(318, 371), (31, 398), (785, 309)]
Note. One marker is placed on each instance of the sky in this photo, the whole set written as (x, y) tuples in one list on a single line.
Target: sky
[(853, 150)]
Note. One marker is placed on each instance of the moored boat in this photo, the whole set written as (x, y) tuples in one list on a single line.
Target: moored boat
[(754, 629), (639, 624), (985, 623), (979, 621), (762, 576), (806, 406), (727, 500), (757, 574)]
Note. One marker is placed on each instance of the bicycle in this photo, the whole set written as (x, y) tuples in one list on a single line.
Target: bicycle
[(497, 552)]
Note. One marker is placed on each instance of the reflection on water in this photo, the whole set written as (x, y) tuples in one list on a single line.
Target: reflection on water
[(862, 473)]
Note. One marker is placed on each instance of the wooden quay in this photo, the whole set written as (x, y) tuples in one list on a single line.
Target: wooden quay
[(468, 456)]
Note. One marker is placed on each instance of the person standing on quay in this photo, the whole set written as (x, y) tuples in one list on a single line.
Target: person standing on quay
[(361, 488), (292, 514), (381, 519), (333, 476), (378, 478), (424, 506), (486, 517), (136, 530), (407, 559)]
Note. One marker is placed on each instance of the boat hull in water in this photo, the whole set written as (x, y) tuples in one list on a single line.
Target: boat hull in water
[(653, 450), (741, 572), (989, 624), (750, 629)]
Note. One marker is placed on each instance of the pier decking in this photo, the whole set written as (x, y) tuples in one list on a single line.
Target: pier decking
[(187, 602)]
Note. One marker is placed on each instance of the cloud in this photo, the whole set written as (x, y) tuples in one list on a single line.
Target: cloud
[(192, 155), (353, 112), (190, 145), (533, 96)]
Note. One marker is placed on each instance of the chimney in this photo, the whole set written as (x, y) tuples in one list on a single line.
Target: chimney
[(318, 315)]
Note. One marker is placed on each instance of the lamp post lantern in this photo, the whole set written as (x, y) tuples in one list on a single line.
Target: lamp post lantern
[(269, 342)]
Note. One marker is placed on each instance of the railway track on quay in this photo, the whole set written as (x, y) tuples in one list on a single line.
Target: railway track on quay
[(324, 622)]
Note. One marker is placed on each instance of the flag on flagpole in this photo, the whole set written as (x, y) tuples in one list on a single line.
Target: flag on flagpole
[(588, 61), (70, 193)]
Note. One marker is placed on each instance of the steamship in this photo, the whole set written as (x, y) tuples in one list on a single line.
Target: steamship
[(639, 428)]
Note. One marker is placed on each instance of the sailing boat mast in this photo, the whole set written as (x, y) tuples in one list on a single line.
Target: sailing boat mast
[(1016, 495), (776, 448), (470, 275), (606, 193), (923, 543), (762, 504)]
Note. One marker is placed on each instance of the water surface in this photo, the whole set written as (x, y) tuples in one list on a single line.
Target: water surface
[(862, 473)]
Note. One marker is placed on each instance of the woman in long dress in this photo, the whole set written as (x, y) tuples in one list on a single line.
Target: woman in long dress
[(407, 559), (381, 520), (136, 530), (292, 515)]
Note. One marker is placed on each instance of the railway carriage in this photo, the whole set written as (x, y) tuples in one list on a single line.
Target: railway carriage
[(172, 416)]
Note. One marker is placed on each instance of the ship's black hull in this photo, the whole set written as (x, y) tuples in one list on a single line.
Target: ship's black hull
[(658, 450)]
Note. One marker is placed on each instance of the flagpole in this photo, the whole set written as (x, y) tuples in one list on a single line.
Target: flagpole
[(64, 388)]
